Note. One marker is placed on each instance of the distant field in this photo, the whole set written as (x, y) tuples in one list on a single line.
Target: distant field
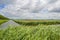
[(2, 21), (37, 22), (40, 32)]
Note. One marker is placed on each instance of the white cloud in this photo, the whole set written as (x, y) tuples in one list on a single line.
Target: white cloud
[(54, 5), (32, 9)]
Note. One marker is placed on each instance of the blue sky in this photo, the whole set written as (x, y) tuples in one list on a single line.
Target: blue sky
[(30, 9), (2, 6)]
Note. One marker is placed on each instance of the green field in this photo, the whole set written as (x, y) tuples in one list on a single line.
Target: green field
[(32, 30), (2, 21), (37, 22)]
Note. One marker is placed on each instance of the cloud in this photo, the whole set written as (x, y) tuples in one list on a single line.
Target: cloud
[(55, 5), (6, 1), (57, 10), (31, 9)]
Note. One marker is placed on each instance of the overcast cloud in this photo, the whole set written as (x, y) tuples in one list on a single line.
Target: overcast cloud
[(31, 9)]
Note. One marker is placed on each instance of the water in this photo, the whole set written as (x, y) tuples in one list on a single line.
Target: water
[(9, 23)]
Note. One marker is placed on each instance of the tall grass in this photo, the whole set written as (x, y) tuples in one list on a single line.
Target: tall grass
[(32, 30), (40, 32)]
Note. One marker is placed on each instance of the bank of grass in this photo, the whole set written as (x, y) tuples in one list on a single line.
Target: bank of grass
[(2, 21), (37, 22), (39, 32)]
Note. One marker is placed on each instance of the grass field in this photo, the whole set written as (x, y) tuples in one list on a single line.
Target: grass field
[(40, 32), (37, 22), (2, 21), (30, 30)]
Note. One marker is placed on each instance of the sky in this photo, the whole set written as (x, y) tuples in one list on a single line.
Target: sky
[(30, 9)]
